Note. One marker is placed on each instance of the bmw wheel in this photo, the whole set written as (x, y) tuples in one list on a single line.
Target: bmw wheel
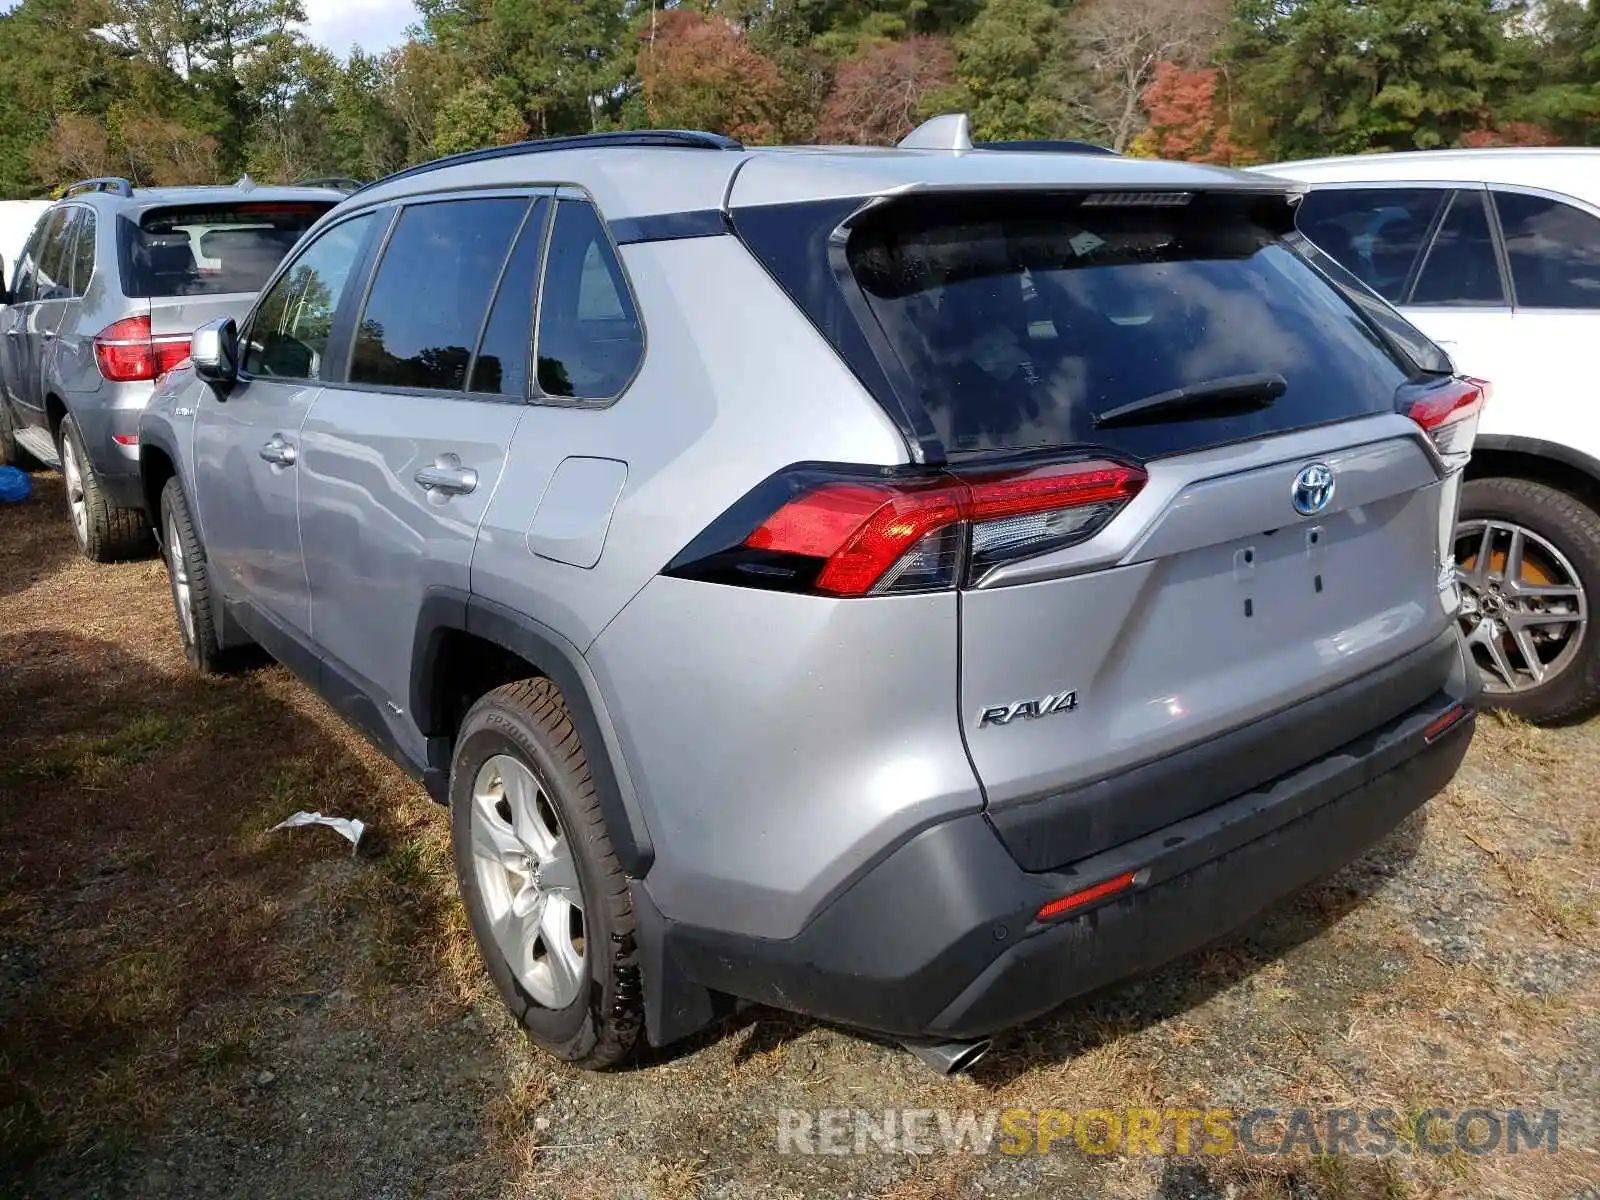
[(104, 532), (1528, 562)]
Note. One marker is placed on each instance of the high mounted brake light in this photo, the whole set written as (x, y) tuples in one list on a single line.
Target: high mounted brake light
[(1450, 414), (852, 536)]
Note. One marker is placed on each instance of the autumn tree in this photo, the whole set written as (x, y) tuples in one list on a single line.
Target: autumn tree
[(1116, 48), (881, 92), (699, 72), (1188, 117)]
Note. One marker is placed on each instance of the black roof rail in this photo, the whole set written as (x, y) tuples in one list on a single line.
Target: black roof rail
[(1046, 146), (683, 139), (339, 183), (105, 183)]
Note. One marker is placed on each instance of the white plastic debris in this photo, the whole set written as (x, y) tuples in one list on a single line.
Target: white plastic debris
[(350, 828)]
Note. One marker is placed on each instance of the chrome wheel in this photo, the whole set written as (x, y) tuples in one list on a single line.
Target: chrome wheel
[(1523, 609), (77, 504), (528, 881), (178, 568)]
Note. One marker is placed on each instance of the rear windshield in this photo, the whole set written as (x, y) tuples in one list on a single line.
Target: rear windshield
[(213, 250), (1018, 323)]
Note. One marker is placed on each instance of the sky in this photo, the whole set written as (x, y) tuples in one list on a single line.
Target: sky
[(339, 24), (370, 24)]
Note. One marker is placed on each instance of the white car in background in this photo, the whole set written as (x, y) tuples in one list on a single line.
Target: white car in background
[(1495, 255)]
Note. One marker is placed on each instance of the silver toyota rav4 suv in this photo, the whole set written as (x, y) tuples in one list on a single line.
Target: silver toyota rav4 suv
[(104, 297), (911, 587)]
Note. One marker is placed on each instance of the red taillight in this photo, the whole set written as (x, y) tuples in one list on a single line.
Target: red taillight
[(1450, 416), (1067, 903), (127, 353), (907, 535)]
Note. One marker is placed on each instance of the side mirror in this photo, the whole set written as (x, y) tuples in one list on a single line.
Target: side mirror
[(214, 350), (5, 292)]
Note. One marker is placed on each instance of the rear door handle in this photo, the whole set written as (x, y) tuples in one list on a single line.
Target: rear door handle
[(447, 476), (278, 452)]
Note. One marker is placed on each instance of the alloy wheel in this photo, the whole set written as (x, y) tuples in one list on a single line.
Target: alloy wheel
[(528, 881), (178, 566), (1523, 608), (77, 503)]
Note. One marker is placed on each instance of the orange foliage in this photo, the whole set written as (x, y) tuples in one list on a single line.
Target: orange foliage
[(699, 72), (1513, 133), (1188, 119)]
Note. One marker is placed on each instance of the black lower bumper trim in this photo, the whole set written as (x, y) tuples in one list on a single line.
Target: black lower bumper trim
[(940, 939)]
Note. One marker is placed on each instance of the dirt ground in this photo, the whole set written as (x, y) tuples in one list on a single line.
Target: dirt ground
[(191, 1006)]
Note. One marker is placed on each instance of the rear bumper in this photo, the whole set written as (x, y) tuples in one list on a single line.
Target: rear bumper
[(939, 938)]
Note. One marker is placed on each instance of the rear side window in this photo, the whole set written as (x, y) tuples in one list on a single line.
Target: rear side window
[(1554, 250), (1376, 233), (83, 252), (216, 250), (589, 340), (421, 321), (1461, 267), (1018, 322)]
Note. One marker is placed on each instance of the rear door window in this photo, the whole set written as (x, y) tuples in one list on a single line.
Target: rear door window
[(1554, 250), (1019, 322), (431, 292), (1461, 266), (55, 261), (590, 341), (214, 250), (1376, 233)]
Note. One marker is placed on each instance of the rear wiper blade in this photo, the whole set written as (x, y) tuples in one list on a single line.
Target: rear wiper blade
[(1234, 393)]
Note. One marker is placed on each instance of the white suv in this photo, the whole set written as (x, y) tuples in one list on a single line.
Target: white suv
[(1495, 254)]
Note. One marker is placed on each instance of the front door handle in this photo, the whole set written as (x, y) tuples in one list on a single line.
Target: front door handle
[(278, 452), (447, 476)]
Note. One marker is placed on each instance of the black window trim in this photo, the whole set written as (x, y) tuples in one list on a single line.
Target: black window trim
[(397, 205), (540, 397), (530, 385), (336, 335), (1430, 241), (1566, 198)]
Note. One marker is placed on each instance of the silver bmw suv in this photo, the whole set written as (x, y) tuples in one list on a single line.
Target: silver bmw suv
[(103, 299), (912, 587)]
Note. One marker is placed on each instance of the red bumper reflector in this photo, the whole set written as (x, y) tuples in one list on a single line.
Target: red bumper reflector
[(1077, 899), (125, 439), (1443, 722)]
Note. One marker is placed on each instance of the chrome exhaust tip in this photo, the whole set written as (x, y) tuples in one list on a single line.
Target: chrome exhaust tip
[(950, 1058)]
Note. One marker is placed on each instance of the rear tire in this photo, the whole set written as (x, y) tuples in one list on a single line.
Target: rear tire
[(1548, 520), (527, 834), (190, 580), (104, 532)]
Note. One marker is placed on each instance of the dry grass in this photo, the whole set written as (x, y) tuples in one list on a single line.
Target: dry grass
[(161, 953)]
